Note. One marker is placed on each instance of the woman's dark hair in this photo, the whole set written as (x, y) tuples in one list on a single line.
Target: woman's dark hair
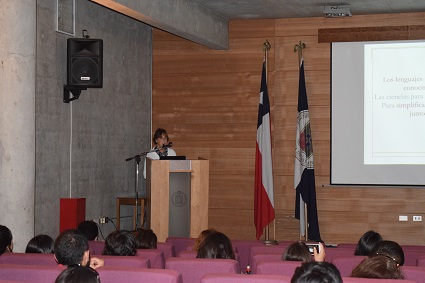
[(5, 239), (378, 266), (367, 242), (145, 239), (316, 272), (216, 245), (391, 249), (40, 244), (78, 274), (297, 251), (120, 243), (159, 133), (89, 229)]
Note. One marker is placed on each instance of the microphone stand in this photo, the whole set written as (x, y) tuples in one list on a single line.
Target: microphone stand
[(137, 159)]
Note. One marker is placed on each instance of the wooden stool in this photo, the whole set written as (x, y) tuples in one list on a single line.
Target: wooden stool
[(131, 201)]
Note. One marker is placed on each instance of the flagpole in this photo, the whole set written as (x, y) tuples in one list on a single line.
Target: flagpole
[(266, 47), (299, 47)]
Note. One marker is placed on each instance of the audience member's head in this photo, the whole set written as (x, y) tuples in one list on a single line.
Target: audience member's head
[(120, 242), (145, 239), (297, 251), (71, 248), (216, 245), (89, 229), (201, 238), (378, 266), (316, 272), (40, 244), (390, 249), (78, 274), (6, 240), (367, 242)]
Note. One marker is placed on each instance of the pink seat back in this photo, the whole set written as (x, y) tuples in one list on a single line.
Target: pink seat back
[(113, 275), (420, 261), (346, 264), (415, 273), (411, 257), (28, 259), (265, 250), (243, 248), (370, 280), (192, 270), (242, 278), (188, 254), (155, 256), (347, 246), (333, 252), (168, 249), (261, 258), (29, 273), (125, 261), (180, 243), (281, 267), (96, 247)]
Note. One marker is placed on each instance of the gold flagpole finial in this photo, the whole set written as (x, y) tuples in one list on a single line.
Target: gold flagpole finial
[(266, 46), (299, 47)]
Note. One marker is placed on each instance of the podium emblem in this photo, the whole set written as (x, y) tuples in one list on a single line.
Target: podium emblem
[(179, 199)]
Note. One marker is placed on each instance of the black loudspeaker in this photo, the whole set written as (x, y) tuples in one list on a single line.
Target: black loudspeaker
[(85, 63)]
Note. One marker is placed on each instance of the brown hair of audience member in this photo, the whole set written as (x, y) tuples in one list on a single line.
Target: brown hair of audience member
[(391, 249), (145, 239), (379, 267), (316, 272), (78, 274), (216, 245), (297, 251), (201, 238), (6, 240)]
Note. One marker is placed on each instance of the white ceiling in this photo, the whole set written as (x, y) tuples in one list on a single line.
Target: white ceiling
[(263, 9)]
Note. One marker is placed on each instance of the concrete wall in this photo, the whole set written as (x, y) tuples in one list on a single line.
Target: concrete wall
[(81, 147)]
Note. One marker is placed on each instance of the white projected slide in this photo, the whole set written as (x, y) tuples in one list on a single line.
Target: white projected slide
[(378, 113), (394, 103)]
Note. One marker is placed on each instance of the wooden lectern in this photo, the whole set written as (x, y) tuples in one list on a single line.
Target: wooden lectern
[(177, 197)]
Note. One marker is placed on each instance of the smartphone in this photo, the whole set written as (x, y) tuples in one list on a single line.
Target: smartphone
[(311, 247)]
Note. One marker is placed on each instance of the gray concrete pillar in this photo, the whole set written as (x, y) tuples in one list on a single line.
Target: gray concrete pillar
[(17, 118)]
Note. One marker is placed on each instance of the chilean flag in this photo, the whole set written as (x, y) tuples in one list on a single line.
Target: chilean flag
[(263, 198)]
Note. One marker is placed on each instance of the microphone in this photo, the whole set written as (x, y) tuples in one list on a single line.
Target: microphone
[(170, 144)]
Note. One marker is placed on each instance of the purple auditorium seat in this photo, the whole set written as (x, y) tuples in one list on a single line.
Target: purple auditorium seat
[(28, 259), (180, 243), (347, 246), (415, 273), (346, 264), (265, 250), (125, 261), (420, 261), (96, 247), (168, 249), (138, 275), (333, 252), (411, 257), (188, 254), (261, 258), (243, 278), (243, 248), (370, 280), (29, 273), (413, 248), (281, 267), (192, 270), (155, 256)]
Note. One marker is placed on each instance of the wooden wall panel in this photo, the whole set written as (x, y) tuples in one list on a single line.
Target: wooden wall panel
[(208, 102)]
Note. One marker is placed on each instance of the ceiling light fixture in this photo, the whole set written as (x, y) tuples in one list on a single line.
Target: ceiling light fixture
[(337, 11)]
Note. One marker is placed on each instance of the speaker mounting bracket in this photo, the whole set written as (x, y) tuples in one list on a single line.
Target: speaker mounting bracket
[(74, 90)]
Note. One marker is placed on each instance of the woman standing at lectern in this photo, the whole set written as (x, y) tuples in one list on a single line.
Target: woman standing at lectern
[(162, 148)]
